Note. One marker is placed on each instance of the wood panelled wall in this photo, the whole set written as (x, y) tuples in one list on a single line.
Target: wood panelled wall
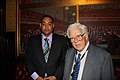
[(102, 21)]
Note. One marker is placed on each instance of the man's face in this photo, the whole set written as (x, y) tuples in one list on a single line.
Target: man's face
[(78, 39), (47, 26)]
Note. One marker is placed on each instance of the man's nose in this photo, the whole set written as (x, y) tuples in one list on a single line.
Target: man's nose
[(46, 27), (75, 40)]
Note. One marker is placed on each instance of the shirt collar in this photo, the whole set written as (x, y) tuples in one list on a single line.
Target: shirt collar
[(84, 50), (49, 37)]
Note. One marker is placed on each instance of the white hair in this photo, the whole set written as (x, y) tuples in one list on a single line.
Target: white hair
[(82, 27)]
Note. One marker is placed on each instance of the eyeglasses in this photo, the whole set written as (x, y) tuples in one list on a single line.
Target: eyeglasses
[(78, 38), (46, 24)]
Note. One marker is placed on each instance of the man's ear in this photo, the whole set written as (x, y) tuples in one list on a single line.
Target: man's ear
[(40, 25), (87, 35), (53, 25)]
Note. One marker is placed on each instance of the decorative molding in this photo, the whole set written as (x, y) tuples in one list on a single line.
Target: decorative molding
[(99, 19), (67, 3)]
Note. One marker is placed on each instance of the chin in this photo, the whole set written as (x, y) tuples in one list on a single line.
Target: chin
[(79, 49)]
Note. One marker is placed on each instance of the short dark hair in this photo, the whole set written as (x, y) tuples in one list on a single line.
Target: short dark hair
[(47, 16)]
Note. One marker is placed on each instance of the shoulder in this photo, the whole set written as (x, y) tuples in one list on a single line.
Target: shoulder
[(60, 37), (35, 37), (70, 51), (98, 49), (99, 52)]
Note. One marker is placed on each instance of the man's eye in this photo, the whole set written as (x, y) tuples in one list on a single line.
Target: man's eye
[(71, 38), (78, 36), (43, 23), (49, 24)]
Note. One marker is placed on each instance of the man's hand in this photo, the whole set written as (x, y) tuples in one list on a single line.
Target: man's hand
[(50, 78), (39, 78)]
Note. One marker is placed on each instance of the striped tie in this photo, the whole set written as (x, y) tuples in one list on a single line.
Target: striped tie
[(76, 68), (46, 50)]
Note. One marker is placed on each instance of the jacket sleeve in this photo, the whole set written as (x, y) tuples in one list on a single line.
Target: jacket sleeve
[(60, 70), (28, 58), (107, 68)]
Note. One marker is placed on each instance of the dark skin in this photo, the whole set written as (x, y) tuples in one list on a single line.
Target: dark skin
[(47, 27)]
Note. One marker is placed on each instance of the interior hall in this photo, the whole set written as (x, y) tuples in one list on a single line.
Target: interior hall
[(20, 19)]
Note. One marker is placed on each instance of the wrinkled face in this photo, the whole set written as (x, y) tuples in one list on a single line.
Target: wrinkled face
[(78, 39), (47, 26)]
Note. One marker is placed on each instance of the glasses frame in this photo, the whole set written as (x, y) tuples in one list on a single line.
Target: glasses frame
[(78, 38)]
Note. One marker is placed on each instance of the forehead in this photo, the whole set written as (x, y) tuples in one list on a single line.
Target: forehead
[(46, 19), (75, 32)]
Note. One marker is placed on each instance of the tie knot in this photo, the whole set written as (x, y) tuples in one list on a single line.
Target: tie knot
[(78, 58), (46, 39), (79, 55)]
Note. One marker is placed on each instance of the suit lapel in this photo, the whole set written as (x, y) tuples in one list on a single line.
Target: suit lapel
[(89, 61), (70, 58), (40, 54), (53, 48)]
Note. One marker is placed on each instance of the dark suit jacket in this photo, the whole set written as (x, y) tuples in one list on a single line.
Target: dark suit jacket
[(35, 59), (98, 65)]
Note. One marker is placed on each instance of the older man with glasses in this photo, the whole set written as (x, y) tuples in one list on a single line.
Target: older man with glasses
[(86, 61)]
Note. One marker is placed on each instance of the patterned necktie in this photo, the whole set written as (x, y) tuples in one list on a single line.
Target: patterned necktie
[(46, 50), (76, 68)]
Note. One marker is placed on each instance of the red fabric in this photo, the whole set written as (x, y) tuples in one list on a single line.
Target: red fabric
[(21, 73), (117, 72)]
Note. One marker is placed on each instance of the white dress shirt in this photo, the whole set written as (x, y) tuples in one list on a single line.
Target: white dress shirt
[(82, 62)]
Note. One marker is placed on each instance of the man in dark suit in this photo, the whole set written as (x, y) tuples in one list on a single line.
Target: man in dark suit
[(94, 62), (37, 66)]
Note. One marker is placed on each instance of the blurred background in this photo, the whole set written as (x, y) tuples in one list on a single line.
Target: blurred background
[(20, 20)]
